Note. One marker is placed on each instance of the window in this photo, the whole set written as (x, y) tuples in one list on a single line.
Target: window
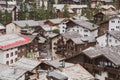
[(112, 29), (110, 40), (118, 21), (117, 26), (77, 30), (85, 35), (11, 54), (7, 55), (11, 61), (110, 35), (63, 30), (115, 41), (113, 21), (15, 59), (15, 52), (85, 30), (73, 29), (7, 62)]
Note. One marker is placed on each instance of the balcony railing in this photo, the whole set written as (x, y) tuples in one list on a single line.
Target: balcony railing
[(100, 68), (112, 70)]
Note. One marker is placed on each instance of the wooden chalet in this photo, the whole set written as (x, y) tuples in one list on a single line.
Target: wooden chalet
[(98, 17), (76, 45), (104, 26), (97, 61), (72, 43)]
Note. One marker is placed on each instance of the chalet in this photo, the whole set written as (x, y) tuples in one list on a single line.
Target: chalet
[(82, 27), (72, 43), (48, 26), (98, 17), (73, 9), (53, 38), (64, 71), (60, 44), (95, 3), (15, 46), (8, 73), (103, 63), (111, 38), (111, 24), (103, 27), (23, 69), (10, 3), (114, 23), (76, 45), (23, 26), (108, 10)]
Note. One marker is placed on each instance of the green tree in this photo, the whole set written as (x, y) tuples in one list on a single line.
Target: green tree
[(89, 14), (5, 17), (56, 31), (23, 14), (65, 12)]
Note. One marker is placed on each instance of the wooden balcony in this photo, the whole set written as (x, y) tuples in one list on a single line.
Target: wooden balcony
[(109, 79), (87, 65), (99, 68), (112, 70)]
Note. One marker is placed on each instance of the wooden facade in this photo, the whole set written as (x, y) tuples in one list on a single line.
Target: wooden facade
[(31, 47), (97, 65), (69, 48), (60, 47), (104, 26), (98, 17), (74, 49)]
